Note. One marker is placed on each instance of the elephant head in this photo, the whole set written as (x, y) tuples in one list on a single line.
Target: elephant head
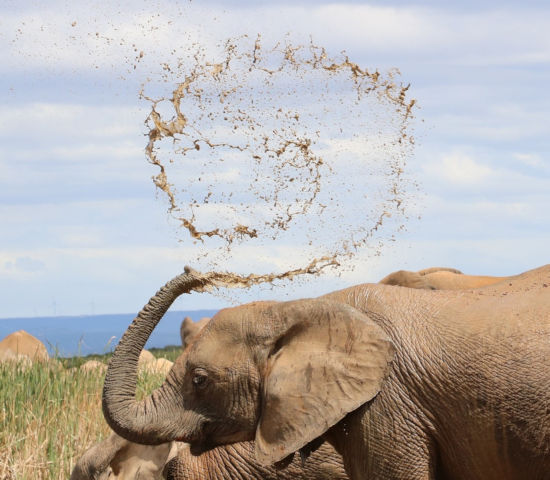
[(278, 373)]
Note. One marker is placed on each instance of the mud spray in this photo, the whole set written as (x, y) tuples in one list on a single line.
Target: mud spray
[(274, 158), (283, 153)]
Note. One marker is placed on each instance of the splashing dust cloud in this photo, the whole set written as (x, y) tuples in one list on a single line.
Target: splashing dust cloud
[(282, 151), (277, 160)]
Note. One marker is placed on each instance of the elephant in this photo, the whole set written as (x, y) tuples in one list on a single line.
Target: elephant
[(93, 367), (404, 383), (120, 459), (440, 278), (22, 345)]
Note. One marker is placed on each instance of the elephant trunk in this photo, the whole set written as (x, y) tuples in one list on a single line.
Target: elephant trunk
[(152, 420)]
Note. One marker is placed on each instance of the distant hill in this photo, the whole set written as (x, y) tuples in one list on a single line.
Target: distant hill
[(86, 334)]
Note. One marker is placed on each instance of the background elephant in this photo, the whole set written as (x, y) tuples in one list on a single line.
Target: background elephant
[(440, 278), (190, 329), (120, 459), (406, 384), (20, 345)]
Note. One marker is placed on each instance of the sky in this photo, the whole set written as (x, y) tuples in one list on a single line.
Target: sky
[(82, 228)]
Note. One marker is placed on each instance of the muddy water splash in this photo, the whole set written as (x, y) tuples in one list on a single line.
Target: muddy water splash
[(283, 151)]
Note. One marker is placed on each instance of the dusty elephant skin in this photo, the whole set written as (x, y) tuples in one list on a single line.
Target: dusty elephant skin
[(440, 278), (237, 462), (118, 459), (405, 383)]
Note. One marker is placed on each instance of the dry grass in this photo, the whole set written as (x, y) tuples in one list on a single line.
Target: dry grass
[(49, 415)]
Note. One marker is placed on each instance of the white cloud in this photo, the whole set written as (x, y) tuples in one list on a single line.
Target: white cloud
[(52, 150), (112, 38), (64, 122), (493, 175), (24, 264), (531, 159), (461, 169), (485, 175)]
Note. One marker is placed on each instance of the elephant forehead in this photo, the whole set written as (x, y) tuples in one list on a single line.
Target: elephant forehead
[(221, 348), (242, 324)]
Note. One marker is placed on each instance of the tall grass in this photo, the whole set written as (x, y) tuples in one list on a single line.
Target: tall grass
[(49, 415)]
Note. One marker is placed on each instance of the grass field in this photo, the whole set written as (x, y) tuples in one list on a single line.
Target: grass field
[(51, 413)]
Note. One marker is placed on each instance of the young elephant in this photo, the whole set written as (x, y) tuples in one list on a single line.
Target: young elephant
[(118, 459), (440, 278), (406, 384)]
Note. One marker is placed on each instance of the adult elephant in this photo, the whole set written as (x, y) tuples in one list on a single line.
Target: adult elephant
[(22, 345), (440, 278), (406, 384), (116, 458)]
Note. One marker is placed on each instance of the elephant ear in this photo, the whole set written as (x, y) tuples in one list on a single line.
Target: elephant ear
[(330, 360), (190, 329)]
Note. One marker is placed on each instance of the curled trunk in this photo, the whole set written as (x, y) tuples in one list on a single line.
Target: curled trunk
[(150, 421)]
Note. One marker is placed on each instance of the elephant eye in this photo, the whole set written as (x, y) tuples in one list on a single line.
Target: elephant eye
[(199, 378)]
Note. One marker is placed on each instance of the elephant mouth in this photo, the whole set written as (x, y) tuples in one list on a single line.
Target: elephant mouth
[(198, 438), (208, 437), (199, 449)]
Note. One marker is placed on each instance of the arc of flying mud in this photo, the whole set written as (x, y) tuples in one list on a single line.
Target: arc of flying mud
[(232, 280), (303, 158)]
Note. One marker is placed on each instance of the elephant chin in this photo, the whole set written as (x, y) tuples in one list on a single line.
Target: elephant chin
[(155, 419)]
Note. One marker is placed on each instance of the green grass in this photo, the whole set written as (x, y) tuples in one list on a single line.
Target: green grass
[(51, 413)]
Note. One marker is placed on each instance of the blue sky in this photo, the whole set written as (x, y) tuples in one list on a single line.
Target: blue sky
[(82, 228)]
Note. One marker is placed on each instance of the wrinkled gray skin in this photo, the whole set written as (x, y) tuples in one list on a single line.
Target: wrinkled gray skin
[(118, 459), (440, 278), (405, 383), (237, 462)]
